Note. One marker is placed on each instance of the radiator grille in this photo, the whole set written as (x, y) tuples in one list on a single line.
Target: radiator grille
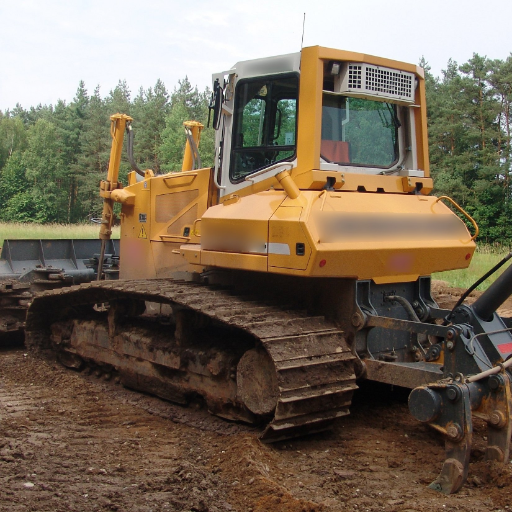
[(378, 81), (167, 206), (355, 80)]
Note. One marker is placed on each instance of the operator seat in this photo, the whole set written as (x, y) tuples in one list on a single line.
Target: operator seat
[(335, 151)]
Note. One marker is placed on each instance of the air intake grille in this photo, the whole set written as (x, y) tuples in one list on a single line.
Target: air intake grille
[(355, 80), (378, 81)]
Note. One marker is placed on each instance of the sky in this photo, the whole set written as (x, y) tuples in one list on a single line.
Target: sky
[(47, 47)]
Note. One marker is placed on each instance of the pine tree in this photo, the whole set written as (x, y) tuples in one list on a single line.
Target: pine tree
[(118, 100), (500, 79), (187, 104), (13, 137), (465, 143), (13, 190), (150, 109), (46, 173), (92, 162)]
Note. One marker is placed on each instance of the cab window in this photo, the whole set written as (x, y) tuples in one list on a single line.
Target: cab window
[(265, 124), (359, 132)]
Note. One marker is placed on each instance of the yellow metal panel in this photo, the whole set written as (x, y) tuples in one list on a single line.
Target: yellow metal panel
[(384, 237), (257, 206), (234, 260), (348, 181), (168, 258), (285, 232), (152, 229), (234, 235), (178, 200), (192, 253), (342, 55), (241, 226), (420, 122), (135, 227), (386, 262), (310, 111), (137, 259), (169, 205)]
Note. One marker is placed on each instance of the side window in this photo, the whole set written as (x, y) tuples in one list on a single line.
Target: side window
[(265, 124), (251, 133), (284, 130)]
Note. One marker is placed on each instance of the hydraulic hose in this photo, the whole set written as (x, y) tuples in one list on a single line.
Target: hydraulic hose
[(409, 310), (492, 371), (196, 159), (131, 137)]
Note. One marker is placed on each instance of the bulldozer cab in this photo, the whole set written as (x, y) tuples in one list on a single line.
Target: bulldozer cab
[(320, 110)]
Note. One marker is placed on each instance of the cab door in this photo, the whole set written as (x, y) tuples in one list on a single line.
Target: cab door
[(259, 131)]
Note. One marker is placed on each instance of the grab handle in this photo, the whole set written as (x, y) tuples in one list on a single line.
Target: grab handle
[(461, 210)]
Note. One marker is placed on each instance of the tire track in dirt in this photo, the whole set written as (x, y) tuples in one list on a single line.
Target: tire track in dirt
[(67, 446), (71, 442)]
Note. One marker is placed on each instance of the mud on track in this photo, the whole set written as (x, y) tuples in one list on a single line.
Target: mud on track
[(70, 441)]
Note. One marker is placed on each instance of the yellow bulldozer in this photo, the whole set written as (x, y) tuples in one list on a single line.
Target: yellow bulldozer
[(266, 285)]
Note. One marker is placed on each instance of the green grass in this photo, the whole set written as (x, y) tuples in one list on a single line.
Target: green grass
[(485, 257), (17, 231)]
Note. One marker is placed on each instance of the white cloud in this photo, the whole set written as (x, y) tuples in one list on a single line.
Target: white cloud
[(47, 47), (209, 19)]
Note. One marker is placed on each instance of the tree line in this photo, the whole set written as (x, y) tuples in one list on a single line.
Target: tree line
[(53, 157), (470, 124)]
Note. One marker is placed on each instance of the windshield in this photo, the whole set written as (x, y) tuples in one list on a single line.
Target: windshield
[(357, 131)]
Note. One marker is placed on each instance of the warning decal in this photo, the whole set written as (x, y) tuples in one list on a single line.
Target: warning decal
[(142, 232), (505, 348)]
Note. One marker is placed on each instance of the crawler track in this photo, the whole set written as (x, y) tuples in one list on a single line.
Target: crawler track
[(14, 300), (249, 359)]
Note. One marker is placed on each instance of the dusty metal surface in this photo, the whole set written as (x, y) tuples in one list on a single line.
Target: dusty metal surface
[(19, 257), (213, 329), (446, 406), (406, 325), (14, 300), (31, 266), (408, 375)]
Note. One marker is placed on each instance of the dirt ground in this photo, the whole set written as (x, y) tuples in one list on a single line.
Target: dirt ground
[(74, 442)]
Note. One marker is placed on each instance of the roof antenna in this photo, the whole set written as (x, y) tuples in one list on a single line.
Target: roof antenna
[(303, 24)]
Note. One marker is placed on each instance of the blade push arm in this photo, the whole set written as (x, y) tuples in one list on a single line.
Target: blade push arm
[(118, 124)]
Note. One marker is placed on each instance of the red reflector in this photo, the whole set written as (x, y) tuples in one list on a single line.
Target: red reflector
[(468, 256), (322, 263), (505, 348)]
